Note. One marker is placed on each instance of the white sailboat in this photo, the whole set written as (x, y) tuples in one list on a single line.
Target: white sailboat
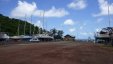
[(34, 38), (44, 36), (25, 37), (21, 37)]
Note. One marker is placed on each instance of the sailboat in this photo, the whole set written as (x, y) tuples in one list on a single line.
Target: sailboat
[(34, 38), (44, 36), (25, 37), (21, 37)]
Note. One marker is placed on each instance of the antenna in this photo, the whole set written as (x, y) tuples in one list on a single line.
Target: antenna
[(109, 15)]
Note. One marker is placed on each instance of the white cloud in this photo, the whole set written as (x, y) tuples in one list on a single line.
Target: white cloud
[(53, 12), (72, 30), (38, 23), (24, 8), (69, 22), (78, 4), (103, 6)]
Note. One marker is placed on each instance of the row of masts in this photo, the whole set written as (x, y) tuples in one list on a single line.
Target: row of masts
[(30, 27)]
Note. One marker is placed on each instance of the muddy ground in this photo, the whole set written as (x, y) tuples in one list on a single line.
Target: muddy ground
[(56, 53)]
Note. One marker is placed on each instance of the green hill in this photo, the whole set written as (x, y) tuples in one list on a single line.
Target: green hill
[(10, 25)]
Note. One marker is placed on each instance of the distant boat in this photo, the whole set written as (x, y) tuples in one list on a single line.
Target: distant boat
[(21, 37), (44, 37), (15, 37), (25, 37)]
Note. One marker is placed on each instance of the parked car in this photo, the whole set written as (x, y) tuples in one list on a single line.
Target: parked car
[(34, 40)]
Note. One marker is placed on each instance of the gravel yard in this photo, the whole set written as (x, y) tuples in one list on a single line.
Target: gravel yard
[(56, 53)]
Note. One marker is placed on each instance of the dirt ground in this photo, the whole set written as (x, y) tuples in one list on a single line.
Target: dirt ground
[(56, 53)]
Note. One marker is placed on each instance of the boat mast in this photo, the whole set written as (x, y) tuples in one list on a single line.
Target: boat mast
[(18, 30), (43, 21), (46, 26), (25, 26), (30, 25), (40, 30), (39, 26), (33, 29), (109, 15)]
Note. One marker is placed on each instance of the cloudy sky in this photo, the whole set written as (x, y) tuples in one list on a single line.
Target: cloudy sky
[(76, 17)]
